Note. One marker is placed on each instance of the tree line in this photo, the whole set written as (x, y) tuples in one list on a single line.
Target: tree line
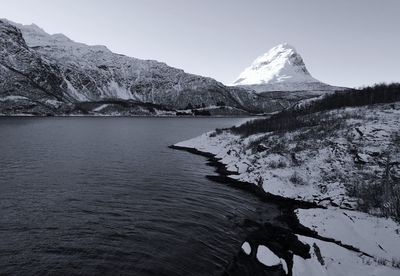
[(296, 117)]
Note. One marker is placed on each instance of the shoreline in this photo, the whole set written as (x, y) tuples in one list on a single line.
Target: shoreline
[(286, 230), (340, 238), (223, 177), (125, 116)]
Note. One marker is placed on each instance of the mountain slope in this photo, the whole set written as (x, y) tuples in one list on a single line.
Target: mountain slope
[(45, 74), (42, 67), (28, 83), (280, 69), (342, 153)]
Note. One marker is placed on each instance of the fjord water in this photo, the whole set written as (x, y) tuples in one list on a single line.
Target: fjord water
[(107, 196)]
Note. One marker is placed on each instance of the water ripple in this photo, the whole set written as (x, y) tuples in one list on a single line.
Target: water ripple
[(78, 200)]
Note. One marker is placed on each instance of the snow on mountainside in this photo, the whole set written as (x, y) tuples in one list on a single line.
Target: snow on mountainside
[(44, 68), (351, 151), (41, 67), (280, 69)]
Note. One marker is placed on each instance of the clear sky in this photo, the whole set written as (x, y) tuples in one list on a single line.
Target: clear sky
[(343, 42)]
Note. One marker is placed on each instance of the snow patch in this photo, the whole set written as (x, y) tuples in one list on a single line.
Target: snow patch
[(13, 98), (246, 248), (74, 93), (101, 107), (267, 257), (114, 90), (329, 259), (54, 103), (379, 237)]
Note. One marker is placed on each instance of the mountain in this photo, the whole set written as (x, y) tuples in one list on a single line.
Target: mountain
[(51, 74), (280, 69), (44, 74)]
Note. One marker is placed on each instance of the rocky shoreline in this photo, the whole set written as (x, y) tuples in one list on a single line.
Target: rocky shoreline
[(281, 235), (293, 241)]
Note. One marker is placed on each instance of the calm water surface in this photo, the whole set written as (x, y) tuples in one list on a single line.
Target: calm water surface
[(107, 196)]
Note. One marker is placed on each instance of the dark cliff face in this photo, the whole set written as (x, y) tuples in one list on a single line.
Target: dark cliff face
[(24, 72)]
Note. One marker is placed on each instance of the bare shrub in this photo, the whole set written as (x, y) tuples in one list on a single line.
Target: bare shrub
[(296, 179), (279, 147), (218, 131), (277, 164), (378, 192), (396, 263), (260, 181), (381, 261), (369, 195)]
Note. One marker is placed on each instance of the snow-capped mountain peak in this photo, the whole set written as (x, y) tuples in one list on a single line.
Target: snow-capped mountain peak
[(280, 64), (281, 69)]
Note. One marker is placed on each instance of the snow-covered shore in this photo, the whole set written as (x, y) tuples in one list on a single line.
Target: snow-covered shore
[(363, 244)]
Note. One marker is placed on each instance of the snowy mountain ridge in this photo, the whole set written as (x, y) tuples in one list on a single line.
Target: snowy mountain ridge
[(280, 69), (82, 73), (43, 73)]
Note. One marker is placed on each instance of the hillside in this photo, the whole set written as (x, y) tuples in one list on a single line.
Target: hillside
[(49, 74), (340, 152)]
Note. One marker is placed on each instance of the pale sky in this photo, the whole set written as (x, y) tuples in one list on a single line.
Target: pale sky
[(343, 42)]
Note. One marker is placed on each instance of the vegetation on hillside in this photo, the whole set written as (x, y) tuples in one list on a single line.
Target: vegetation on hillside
[(352, 126), (297, 117)]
